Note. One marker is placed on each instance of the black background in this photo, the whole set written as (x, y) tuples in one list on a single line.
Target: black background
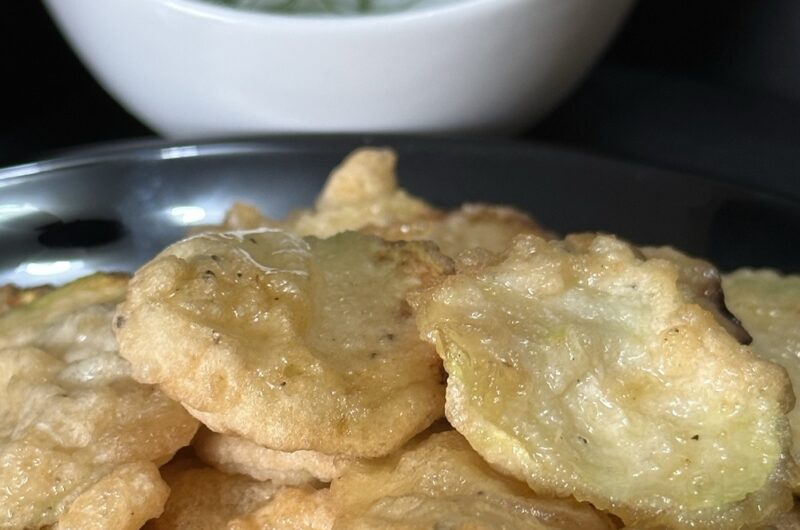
[(710, 87)]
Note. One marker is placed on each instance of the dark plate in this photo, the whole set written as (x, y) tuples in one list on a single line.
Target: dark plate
[(114, 207)]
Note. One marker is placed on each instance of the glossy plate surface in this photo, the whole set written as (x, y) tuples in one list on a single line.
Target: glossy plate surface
[(114, 207)]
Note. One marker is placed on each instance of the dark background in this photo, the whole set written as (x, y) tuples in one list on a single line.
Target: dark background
[(710, 87)]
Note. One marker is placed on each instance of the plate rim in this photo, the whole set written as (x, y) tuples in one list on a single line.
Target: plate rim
[(156, 148)]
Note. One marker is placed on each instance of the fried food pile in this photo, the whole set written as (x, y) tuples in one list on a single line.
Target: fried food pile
[(375, 362), (80, 439)]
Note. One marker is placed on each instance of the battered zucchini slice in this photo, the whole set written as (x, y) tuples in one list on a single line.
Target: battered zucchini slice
[(441, 482), (768, 304), (586, 370), (233, 454), (294, 344), (363, 194), (79, 438)]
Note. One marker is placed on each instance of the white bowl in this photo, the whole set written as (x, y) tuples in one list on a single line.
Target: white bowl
[(188, 68)]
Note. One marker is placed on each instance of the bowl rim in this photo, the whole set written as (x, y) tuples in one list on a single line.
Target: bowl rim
[(234, 15)]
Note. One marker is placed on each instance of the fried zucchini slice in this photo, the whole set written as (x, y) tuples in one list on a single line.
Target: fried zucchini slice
[(363, 194), (290, 509), (202, 498), (471, 226), (441, 482), (233, 454), (294, 344), (124, 499), (584, 370), (701, 282), (12, 296), (67, 317), (71, 417), (768, 304), (360, 192)]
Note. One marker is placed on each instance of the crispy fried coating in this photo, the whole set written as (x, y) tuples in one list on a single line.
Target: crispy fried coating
[(243, 216), (42, 321), (202, 498), (786, 521), (701, 282), (233, 454), (363, 194), (584, 370), (441, 482), (124, 499), (68, 424), (12, 296), (240, 216), (293, 344), (290, 509), (471, 226), (768, 304), (360, 192)]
